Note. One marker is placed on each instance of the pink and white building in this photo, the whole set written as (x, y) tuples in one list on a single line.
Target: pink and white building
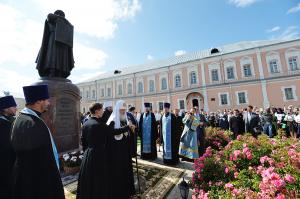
[(260, 73)]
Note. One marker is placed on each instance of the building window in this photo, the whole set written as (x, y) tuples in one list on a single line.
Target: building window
[(140, 87), (293, 63), (224, 99), (151, 86), (193, 77), (230, 73), (108, 92), (129, 89), (160, 106), (120, 90), (181, 104), (87, 94), (214, 75), (163, 84), (274, 66), (151, 106), (247, 70), (289, 95), (242, 98), (93, 94), (102, 92), (177, 81), (80, 93)]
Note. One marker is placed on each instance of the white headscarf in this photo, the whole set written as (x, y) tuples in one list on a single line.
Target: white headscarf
[(115, 116), (107, 104)]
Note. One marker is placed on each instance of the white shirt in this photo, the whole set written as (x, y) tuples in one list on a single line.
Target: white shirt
[(297, 118), (157, 116), (289, 118)]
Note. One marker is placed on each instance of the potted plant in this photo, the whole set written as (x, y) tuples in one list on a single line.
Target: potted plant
[(71, 162)]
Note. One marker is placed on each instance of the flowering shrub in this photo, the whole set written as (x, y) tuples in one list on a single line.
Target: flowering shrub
[(249, 168), (72, 159), (217, 139)]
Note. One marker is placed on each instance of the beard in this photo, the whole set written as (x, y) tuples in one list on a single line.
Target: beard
[(123, 118)]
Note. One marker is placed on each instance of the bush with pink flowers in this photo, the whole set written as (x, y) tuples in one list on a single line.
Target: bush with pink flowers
[(217, 139), (249, 168)]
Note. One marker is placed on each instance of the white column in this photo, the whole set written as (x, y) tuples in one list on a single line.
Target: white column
[(263, 82), (204, 92), (143, 107)]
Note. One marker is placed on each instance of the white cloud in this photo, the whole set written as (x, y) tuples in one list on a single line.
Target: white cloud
[(82, 77), (88, 58), (13, 82), (21, 37), (179, 52), (242, 3), (294, 9), (274, 29), (149, 57), (291, 32), (94, 17)]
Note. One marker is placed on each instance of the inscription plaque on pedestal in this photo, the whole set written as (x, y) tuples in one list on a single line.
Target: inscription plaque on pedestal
[(63, 117)]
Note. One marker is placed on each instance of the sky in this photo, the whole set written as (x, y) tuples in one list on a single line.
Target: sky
[(112, 34)]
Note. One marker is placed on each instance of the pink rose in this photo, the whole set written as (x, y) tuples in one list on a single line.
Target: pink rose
[(236, 174), (280, 196), (279, 184), (226, 170), (290, 179), (249, 156), (229, 186)]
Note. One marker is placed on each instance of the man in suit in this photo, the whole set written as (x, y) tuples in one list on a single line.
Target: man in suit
[(252, 122), (236, 123), (133, 139)]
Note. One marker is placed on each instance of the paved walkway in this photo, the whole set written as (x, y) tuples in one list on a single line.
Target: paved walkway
[(174, 193), (187, 166)]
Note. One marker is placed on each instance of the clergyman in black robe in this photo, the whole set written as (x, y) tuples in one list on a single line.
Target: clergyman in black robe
[(179, 126), (94, 176), (7, 113), (121, 170), (169, 136), (35, 173), (55, 58), (108, 109), (148, 134), (133, 139)]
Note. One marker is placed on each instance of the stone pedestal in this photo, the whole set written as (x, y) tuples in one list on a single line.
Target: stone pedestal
[(63, 116)]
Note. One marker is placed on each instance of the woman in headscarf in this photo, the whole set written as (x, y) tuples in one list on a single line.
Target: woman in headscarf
[(188, 148)]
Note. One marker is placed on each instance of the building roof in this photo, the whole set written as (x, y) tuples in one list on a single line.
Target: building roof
[(230, 48)]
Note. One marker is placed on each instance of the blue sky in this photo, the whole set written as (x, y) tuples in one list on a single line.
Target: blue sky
[(111, 34)]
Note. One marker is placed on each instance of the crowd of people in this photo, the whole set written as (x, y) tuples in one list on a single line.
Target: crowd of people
[(110, 133)]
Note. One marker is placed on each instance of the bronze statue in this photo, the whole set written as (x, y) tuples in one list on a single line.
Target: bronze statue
[(55, 58)]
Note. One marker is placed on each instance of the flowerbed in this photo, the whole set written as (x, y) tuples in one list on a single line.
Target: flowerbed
[(249, 168)]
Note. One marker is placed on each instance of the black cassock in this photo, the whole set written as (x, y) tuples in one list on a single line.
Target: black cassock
[(175, 139), (106, 115), (154, 136), (35, 173), (7, 157), (121, 170), (94, 176)]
